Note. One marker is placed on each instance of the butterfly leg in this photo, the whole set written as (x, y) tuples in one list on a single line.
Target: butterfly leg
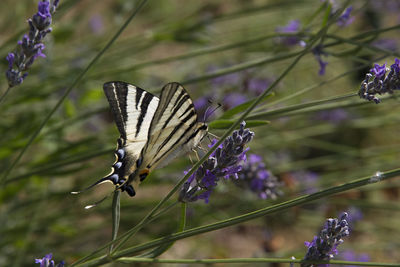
[(195, 152)]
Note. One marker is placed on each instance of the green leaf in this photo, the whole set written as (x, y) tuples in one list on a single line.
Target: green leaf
[(242, 107), (225, 124)]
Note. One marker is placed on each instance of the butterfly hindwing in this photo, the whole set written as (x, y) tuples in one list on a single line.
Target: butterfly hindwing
[(133, 109)]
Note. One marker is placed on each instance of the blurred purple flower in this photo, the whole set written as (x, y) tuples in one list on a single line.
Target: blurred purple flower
[(292, 27), (349, 255), (31, 46), (377, 82), (232, 100), (318, 53), (255, 177), (345, 19), (307, 180), (355, 215), (324, 246), (96, 24), (388, 44), (257, 86), (224, 80), (225, 161), (46, 261), (334, 115)]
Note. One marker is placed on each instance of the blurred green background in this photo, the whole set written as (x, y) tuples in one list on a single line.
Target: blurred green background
[(186, 41)]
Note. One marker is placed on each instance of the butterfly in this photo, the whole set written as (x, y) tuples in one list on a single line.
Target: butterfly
[(153, 130)]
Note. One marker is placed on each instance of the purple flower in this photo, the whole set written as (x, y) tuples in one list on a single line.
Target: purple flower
[(232, 100), (257, 86), (259, 180), (378, 71), (292, 27), (46, 261), (225, 162), (96, 24), (324, 246), (349, 255), (378, 82), (345, 19), (318, 52), (31, 46), (355, 215), (224, 80)]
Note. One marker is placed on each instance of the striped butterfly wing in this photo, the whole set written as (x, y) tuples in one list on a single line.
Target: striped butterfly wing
[(174, 129), (133, 110)]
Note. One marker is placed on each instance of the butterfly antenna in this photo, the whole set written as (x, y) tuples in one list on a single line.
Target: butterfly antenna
[(91, 186), (208, 114)]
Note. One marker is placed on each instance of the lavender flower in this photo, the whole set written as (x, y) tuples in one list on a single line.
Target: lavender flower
[(345, 19), (377, 82), (31, 46), (324, 246), (257, 86), (232, 100), (46, 261), (318, 53), (255, 177), (292, 27), (224, 162)]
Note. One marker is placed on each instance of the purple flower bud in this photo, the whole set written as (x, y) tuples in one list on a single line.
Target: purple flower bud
[(31, 46), (324, 246), (378, 82), (10, 58), (378, 71), (224, 162), (345, 19), (46, 261)]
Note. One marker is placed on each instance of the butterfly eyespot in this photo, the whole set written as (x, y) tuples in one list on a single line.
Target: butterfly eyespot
[(118, 165), (120, 153), (143, 174), (114, 178)]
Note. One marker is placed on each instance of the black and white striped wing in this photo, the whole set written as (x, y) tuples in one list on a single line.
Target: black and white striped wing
[(174, 124), (133, 109)]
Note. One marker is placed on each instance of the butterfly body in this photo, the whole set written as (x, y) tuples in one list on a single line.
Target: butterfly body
[(153, 130)]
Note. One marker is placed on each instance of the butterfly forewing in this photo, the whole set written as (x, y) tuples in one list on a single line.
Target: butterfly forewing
[(173, 124)]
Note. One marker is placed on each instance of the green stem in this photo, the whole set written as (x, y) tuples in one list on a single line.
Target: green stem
[(261, 212), (116, 214), (243, 66), (248, 216), (164, 247), (64, 96), (156, 215), (191, 54), (267, 114), (249, 260), (5, 94)]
